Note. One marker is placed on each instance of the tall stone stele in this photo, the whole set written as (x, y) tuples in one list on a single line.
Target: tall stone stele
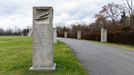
[(65, 34), (78, 34), (103, 34), (54, 35), (30, 32), (42, 39)]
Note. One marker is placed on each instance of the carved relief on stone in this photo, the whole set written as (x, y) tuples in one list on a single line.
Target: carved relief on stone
[(43, 16)]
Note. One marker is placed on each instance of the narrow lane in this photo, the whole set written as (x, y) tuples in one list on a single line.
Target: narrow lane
[(101, 59)]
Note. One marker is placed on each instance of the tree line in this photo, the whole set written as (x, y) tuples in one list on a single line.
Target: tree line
[(14, 32), (117, 18)]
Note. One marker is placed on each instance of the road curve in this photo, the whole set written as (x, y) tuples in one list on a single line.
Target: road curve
[(101, 59)]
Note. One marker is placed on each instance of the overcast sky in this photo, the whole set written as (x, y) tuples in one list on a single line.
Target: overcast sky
[(18, 13)]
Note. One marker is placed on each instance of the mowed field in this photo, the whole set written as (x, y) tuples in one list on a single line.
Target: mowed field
[(16, 58)]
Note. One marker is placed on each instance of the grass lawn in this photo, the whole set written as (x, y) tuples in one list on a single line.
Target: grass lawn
[(16, 58), (117, 45), (125, 46)]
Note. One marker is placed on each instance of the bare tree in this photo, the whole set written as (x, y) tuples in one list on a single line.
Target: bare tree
[(129, 7), (110, 11)]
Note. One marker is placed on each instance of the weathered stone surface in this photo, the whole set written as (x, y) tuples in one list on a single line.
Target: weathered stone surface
[(78, 34), (42, 39), (103, 34), (54, 35), (65, 34)]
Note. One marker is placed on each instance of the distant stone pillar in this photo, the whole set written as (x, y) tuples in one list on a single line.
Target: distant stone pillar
[(65, 34), (42, 39), (78, 34), (103, 34), (22, 34), (30, 32), (54, 35)]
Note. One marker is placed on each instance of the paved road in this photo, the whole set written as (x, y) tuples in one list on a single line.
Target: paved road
[(101, 59)]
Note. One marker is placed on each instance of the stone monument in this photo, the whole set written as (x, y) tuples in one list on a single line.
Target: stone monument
[(30, 32), (78, 34), (42, 39), (103, 34), (65, 34), (54, 35)]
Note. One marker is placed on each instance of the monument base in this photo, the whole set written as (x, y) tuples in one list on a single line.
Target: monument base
[(43, 68)]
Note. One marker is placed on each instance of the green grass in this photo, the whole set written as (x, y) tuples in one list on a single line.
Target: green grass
[(117, 45), (16, 58)]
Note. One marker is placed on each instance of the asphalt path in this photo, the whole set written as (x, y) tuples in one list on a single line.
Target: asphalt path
[(100, 59)]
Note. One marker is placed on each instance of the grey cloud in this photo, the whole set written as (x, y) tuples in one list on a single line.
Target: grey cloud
[(76, 10), (7, 9)]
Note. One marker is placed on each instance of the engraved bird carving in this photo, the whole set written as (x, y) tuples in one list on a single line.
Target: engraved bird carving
[(42, 16)]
